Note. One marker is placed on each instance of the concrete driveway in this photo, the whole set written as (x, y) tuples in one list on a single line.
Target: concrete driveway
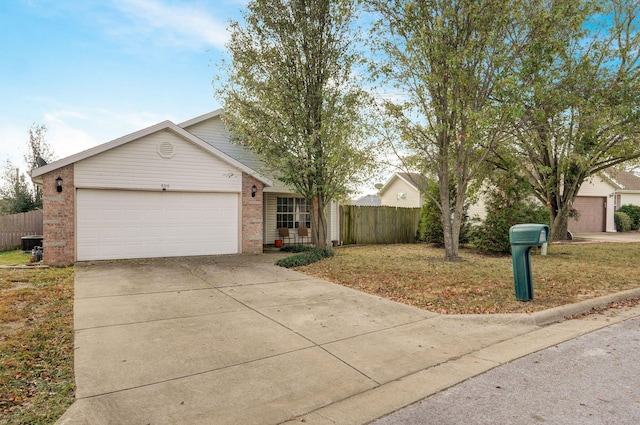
[(626, 237), (235, 339)]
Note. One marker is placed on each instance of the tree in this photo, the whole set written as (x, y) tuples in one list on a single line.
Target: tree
[(508, 197), (291, 97), (577, 97), (451, 59), (15, 194), (38, 150), (430, 223)]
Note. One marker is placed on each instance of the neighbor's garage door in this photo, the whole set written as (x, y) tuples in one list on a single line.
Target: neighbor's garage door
[(592, 215), (116, 224)]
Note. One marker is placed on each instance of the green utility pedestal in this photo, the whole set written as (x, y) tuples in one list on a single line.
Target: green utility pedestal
[(523, 237)]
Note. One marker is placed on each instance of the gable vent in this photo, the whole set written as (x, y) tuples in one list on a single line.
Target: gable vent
[(166, 150)]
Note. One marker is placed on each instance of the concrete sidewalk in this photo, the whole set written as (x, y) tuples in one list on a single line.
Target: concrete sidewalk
[(234, 339)]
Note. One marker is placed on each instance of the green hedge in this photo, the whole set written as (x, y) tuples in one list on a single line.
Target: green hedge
[(633, 211), (304, 258), (297, 248), (623, 221)]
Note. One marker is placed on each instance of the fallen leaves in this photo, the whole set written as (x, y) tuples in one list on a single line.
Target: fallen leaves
[(416, 275), (36, 344)]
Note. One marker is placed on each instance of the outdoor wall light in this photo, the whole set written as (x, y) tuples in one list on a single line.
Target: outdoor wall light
[(59, 184), (254, 190)]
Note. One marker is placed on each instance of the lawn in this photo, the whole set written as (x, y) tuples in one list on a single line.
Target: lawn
[(36, 342), (418, 276)]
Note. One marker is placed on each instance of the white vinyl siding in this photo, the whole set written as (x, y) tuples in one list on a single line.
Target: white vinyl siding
[(410, 195), (118, 224), (137, 165), (214, 133), (629, 198)]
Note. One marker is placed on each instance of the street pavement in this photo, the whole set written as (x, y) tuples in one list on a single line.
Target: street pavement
[(593, 379)]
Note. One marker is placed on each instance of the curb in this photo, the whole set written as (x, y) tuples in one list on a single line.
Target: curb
[(551, 315), (558, 314)]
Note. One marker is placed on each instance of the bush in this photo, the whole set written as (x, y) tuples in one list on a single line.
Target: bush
[(633, 211), (297, 248), (430, 224), (307, 257), (507, 205), (623, 221)]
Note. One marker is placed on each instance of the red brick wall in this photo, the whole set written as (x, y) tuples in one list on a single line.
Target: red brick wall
[(58, 230), (252, 220)]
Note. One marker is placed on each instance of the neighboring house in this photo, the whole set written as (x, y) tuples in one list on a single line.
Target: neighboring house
[(599, 198), (167, 190), (404, 190), (368, 201), (627, 187)]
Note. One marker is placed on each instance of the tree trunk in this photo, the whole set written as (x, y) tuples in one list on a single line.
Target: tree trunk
[(318, 216), (559, 223), (450, 232)]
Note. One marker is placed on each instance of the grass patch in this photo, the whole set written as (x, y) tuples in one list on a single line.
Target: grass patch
[(13, 258), (418, 276), (36, 342)]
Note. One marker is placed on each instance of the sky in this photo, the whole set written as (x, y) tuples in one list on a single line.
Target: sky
[(96, 70)]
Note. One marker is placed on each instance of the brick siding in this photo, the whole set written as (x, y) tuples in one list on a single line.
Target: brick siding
[(252, 219), (58, 230)]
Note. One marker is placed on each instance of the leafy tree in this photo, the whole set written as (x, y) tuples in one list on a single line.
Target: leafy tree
[(508, 202), (38, 150), (430, 224), (291, 97), (15, 196), (451, 59), (576, 96)]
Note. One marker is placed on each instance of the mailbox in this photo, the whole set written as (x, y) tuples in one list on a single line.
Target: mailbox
[(523, 237)]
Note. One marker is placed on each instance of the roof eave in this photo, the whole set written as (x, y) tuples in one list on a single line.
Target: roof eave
[(165, 125)]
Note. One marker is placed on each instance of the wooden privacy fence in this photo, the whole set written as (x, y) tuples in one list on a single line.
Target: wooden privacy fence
[(378, 225), (14, 227)]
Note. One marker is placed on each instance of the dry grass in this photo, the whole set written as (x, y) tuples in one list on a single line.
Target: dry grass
[(417, 275), (36, 342)]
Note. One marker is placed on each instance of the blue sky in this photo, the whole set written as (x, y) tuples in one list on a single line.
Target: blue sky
[(93, 71)]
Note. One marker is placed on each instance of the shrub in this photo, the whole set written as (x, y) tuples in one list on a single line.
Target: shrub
[(633, 211), (307, 257), (430, 224), (623, 221), (297, 248), (507, 205)]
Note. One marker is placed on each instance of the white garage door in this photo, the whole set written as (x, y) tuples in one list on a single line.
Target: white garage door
[(116, 224)]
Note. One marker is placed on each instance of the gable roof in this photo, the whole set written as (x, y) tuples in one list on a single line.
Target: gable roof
[(416, 180), (165, 125), (624, 179), (201, 118), (368, 201), (224, 144)]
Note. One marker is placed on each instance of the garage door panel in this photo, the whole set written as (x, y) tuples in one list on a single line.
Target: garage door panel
[(116, 224), (592, 214)]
